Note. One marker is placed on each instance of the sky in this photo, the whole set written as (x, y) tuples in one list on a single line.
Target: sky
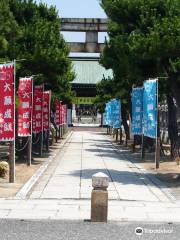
[(77, 9)]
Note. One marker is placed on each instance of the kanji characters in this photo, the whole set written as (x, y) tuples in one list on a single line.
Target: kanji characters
[(8, 127), (26, 125), (25, 105), (24, 109), (8, 114), (7, 87), (26, 95), (46, 110), (7, 100), (38, 109), (26, 115)]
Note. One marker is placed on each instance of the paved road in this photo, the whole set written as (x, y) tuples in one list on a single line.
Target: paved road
[(68, 230)]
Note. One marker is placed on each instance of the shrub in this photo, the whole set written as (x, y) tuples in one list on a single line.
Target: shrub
[(3, 168)]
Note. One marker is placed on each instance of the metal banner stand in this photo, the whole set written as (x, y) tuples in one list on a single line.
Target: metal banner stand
[(157, 150), (12, 143), (41, 133), (29, 147)]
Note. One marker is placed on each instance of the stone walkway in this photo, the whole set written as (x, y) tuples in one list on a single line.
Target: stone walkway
[(85, 154), (63, 191)]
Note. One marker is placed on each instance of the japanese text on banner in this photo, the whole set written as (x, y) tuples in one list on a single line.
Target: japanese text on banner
[(109, 113), (64, 114), (106, 115), (24, 107), (46, 110), (38, 109), (57, 112), (116, 113), (150, 108), (137, 111), (7, 102), (66, 110), (61, 114)]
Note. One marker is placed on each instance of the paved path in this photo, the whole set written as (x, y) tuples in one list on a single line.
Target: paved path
[(89, 152), (63, 191)]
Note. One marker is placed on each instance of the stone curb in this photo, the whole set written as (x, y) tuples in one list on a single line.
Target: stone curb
[(22, 193)]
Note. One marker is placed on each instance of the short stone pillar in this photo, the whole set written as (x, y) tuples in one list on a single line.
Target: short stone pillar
[(99, 197)]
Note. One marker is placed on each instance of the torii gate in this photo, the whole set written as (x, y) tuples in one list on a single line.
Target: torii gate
[(91, 26)]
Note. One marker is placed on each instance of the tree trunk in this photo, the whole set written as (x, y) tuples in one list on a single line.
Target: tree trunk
[(172, 123), (124, 121), (175, 88)]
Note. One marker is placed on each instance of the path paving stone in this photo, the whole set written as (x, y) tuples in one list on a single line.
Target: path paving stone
[(64, 190), (85, 154)]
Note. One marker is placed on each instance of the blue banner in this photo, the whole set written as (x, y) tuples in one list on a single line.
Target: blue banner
[(116, 113), (150, 108), (137, 111), (105, 116), (104, 119), (113, 113), (108, 113)]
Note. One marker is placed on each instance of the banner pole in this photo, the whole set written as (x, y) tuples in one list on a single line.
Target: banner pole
[(60, 121), (157, 150), (142, 137), (12, 143), (29, 147), (55, 119), (41, 134), (133, 146), (47, 135)]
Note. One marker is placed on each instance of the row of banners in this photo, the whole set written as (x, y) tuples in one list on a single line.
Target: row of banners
[(33, 113), (113, 113), (144, 110)]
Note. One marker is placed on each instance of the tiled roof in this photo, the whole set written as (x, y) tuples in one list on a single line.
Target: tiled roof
[(89, 71)]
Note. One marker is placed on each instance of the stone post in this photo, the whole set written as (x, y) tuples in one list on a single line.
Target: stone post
[(99, 197)]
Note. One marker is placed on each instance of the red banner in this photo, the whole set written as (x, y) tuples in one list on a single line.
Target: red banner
[(46, 110), (38, 109), (64, 113), (7, 102), (57, 112), (61, 114), (24, 107)]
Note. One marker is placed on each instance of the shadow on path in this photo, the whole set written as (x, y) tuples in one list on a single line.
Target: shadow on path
[(123, 177)]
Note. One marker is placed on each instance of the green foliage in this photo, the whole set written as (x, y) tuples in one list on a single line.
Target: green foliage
[(38, 45), (104, 90), (144, 42), (8, 28)]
